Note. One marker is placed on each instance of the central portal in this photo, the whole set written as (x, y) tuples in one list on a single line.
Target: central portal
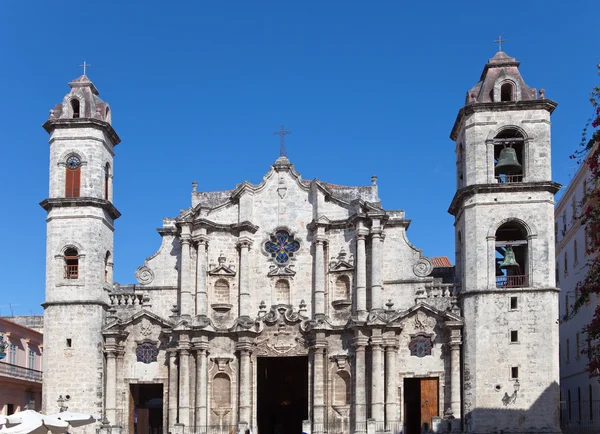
[(282, 394)]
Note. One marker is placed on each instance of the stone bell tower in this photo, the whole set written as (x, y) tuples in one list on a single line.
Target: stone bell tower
[(79, 248), (504, 208)]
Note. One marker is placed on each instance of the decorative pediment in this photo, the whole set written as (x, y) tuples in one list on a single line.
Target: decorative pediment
[(342, 262), (282, 270), (222, 269), (148, 323), (281, 339), (422, 318)]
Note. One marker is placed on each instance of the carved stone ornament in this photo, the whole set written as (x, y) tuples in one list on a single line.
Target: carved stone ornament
[(146, 327), (423, 322), (423, 267), (144, 275), (222, 269), (283, 341), (342, 262)]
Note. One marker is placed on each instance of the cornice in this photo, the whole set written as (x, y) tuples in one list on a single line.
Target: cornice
[(53, 124), (543, 104), (58, 202), (462, 194)]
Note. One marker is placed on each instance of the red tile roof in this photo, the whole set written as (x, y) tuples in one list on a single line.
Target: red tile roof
[(441, 261)]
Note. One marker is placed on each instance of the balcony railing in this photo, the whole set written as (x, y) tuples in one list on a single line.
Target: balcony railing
[(71, 271), (10, 370), (512, 281), (509, 179)]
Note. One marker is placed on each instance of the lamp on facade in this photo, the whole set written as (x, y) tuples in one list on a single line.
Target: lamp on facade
[(61, 403), (3, 346)]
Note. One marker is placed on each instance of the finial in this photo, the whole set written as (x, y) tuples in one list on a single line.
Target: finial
[(85, 66), (542, 93), (374, 180), (281, 133), (499, 41), (194, 186)]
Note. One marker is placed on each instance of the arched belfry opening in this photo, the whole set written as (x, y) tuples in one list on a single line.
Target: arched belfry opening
[(507, 92), (511, 257), (75, 107), (508, 156)]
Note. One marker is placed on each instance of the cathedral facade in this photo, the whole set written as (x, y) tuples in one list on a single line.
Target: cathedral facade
[(295, 306)]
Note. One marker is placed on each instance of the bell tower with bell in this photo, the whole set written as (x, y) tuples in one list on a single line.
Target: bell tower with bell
[(504, 226), (79, 249)]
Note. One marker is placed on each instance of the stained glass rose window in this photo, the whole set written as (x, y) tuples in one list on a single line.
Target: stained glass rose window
[(282, 246), (146, 353)]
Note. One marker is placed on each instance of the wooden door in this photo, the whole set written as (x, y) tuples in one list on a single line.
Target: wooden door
[(131, 412), (429, 401), (143, 421)]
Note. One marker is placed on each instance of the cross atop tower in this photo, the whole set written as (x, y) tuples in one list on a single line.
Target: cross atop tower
[(85, 66), (282, 133), (499, 41)]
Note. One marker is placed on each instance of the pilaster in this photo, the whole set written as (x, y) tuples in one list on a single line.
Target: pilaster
[(361, 271), (201, 264), (244, 244)]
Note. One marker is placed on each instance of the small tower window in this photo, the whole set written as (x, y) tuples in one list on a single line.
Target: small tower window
[(106, 180), (282, 291), (75, 108), (506, 92), (508, 156), (73, 176), (511, 256), (107, 267), (71, 264)]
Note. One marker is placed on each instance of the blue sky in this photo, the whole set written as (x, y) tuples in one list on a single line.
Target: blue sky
[(197, 89)]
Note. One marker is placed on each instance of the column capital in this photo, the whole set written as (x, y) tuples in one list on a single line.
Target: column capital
[(201, 240), (245, 348), (376, 232), (455, 345), (376, 342), (361, 233), (320, 239), (360, 343), (185, 239), (244, 243), (391, 344)]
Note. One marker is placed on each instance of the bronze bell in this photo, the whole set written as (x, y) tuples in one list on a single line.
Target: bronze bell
[(509, 259), (508, 164)]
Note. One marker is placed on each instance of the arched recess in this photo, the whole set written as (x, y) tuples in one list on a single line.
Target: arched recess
[(221, 291), (107, 267), (282, 291), (501, 83), (342, 392), (512, 256), (342, 288), (71, 263), (74, 108), (221, 392), (509, 156), (107, 181)]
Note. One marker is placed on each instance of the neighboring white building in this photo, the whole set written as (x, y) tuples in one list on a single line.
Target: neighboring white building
[(580, 394), (293, 305)]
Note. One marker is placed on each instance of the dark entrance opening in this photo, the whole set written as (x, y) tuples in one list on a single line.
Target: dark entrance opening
[(146, 409), (282, 394), (420, 404)]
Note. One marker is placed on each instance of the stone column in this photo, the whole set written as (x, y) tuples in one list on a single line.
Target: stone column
[(376, 266), (245, 386), (244, 286), (361, 272), (391, 389), (111, 386), (319, 277), (173, 388), (184, 387), (201, 388), (201, 294), (455, 379), (318, 388), (360, 394), (377, 376), (185, 309)]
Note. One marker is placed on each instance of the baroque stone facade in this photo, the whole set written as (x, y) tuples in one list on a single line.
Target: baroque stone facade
[(295, 305)]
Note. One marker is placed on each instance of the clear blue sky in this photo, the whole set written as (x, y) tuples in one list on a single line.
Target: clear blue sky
[(197, 89)]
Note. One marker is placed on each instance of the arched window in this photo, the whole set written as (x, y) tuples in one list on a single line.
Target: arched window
[(221, 291), (508, 156), (557, 273), (342, 394), (511, 256), (575, 254), (71, 263), (73, 176), (282, 292), (221, 391), (342, 288), (506, 92), (106, 267), (566, 265), (107, 116), (106, 180), (75, 108)]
